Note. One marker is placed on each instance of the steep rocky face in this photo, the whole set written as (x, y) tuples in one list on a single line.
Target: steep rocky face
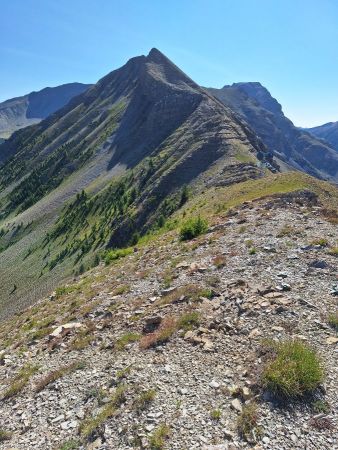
[(264, 114), (135, 141), (328, 132), (23, 111)]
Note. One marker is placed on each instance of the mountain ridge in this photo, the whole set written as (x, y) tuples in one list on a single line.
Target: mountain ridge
[(26, 110), (292, 146), (328, 132)]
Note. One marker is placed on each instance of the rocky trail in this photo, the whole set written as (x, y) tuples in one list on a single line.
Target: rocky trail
[(163, 348)]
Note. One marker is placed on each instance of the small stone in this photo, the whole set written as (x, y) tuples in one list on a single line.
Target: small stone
[(214, 384), (182, 391), (236, 405), (332, 340), (228, 434), (266, 440)]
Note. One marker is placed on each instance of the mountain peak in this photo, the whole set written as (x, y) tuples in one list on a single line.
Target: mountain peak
[(155, 54), (261, 94)]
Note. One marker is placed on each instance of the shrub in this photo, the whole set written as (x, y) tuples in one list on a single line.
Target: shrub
[(113, 255), (192, 228), (247, 422), (252, 251), (294, 371)]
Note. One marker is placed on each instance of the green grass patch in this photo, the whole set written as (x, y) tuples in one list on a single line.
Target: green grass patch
[(189, 320), (5, 435), (126, 339), (294, 371)]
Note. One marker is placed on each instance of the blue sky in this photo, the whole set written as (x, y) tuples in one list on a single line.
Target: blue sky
[(290, 46)]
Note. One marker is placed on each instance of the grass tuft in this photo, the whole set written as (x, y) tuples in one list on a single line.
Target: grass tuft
[(333, 320), (143, 401), (247, 422), (5, 435), (126, 339), (164, 332), (20, 381), (159, 436), (294, 371)]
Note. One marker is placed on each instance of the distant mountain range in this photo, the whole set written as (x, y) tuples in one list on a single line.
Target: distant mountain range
[(29, 109), (293, 147), (328, 132)]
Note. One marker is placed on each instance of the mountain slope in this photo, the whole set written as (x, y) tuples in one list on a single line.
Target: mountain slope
[(23, 111), (164, 347), (293, 146), (328, 132), (137, 141)]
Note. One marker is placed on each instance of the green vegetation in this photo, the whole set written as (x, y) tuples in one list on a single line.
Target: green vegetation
[(216, 414), (88, 426), (143, 401), (333, 251), (126, 339), (321, 406), (192, 228), (73, 444), (113, 255), (333, 320), (20, 381), (294, 371), (189, 320), (5, 435), (323, 242), (159, 436)]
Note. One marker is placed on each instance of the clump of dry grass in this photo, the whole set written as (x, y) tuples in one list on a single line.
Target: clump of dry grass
[(247, 422), (219, 261), (56, 374), (163, 333)]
